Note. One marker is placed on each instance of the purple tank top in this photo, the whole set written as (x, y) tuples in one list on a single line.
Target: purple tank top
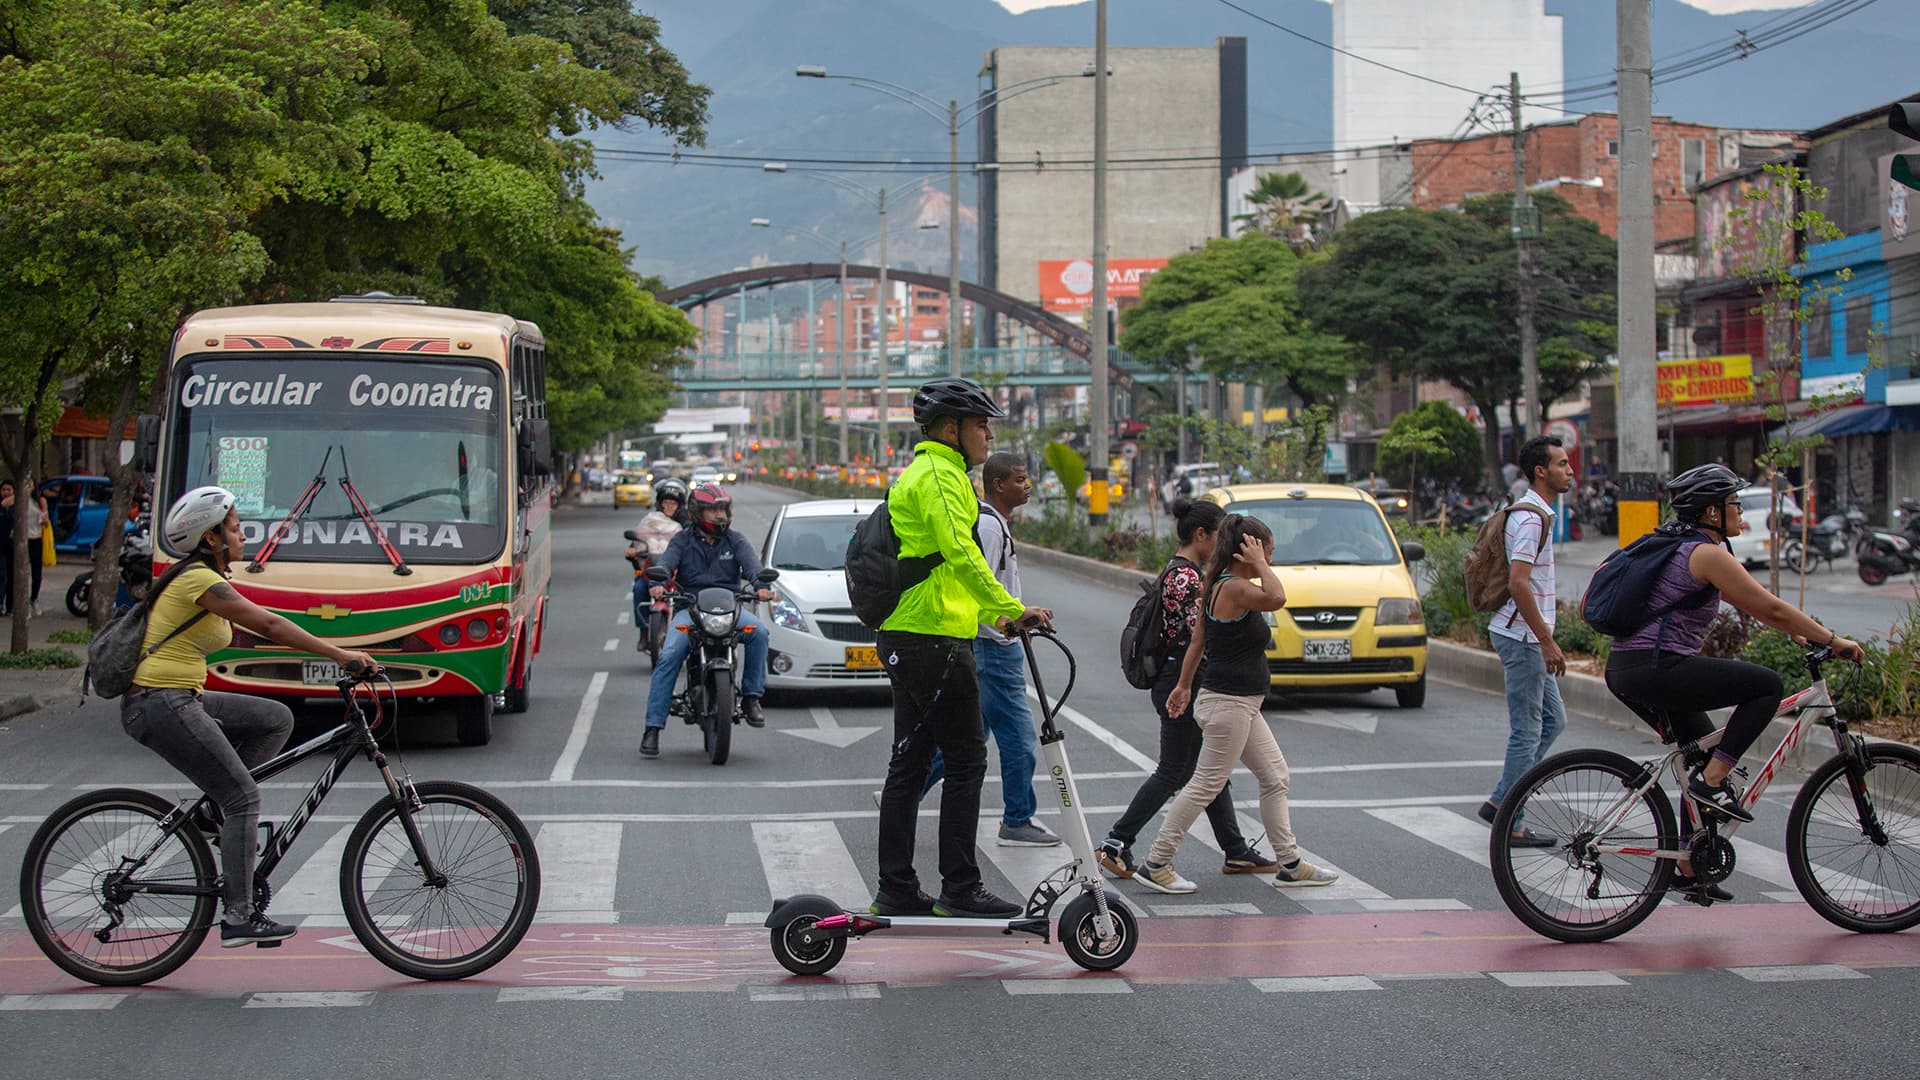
[(1686, 625)]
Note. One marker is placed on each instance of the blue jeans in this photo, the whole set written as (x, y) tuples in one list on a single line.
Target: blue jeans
[(753, 681), (1003, 706), (1535, 716)]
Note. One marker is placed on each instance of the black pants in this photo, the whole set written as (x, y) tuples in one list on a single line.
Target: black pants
[(936, 705), (1680, 689), (1179, 751)]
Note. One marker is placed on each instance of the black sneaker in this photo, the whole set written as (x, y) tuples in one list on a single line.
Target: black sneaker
[(751, 706), (258, 930), (1116, 859), (886, 903), (1487, 810), (207, 818), (977, 903), (1721, 798), (1694, 889), (1250, 861), (650, 742)]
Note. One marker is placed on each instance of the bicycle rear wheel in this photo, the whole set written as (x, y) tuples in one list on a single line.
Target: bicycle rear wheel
[(77, 880), (457, 927), (1851, 878), (1569, 892)]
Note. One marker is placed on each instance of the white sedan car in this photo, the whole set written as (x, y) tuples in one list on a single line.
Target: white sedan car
[(814, 640), (1755, 546)]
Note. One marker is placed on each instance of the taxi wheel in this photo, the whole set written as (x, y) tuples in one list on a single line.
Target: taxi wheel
[(1412, 695)]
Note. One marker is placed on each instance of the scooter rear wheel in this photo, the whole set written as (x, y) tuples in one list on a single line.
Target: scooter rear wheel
[(797, 956), (1872, 575), (1082, 942)]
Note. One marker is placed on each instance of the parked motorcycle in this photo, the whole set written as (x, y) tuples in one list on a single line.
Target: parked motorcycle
[(135, 567), (1883, 553), (1833, 537), (1599, 504), (711, 697), (650, 617)]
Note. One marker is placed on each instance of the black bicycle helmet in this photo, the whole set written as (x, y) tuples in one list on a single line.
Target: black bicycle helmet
[(1700, 489), (671, 488), (952, 396)]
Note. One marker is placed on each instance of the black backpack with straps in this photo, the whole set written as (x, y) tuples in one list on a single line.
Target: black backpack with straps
[(1143, 641)]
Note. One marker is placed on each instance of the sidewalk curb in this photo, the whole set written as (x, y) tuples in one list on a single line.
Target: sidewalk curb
[(18, 705), (1119, 577)]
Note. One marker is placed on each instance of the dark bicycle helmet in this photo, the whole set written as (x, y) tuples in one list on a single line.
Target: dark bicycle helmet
[(704, 497), (952, 396), (670, 488), (1700, 489)]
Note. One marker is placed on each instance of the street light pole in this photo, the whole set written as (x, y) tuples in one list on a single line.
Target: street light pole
[(840, 349), (886, 408), (1097, 441), (953, 238)]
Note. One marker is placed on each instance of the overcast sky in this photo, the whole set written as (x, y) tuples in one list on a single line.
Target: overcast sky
[(1718, 7)]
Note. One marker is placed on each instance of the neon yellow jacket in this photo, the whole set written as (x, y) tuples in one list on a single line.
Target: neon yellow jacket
[(933, 508)]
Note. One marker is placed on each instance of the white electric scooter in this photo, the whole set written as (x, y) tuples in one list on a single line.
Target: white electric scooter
[(809, 933)]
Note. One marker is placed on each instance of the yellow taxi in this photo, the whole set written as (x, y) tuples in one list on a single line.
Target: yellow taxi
[(632, 489), (1353, 618)]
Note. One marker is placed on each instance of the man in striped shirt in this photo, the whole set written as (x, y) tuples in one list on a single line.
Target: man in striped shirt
[(1522, 630)]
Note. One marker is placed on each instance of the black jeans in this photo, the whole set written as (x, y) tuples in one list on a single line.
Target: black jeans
[(1681, 688), (1179, 752), (936, 705)]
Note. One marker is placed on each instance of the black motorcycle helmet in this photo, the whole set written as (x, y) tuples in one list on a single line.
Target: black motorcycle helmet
[(951, 396), (671, 488), (1700, 489)]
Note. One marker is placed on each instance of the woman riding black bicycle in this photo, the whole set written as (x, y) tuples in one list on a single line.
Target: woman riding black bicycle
[(1658, 671), (215, 738)]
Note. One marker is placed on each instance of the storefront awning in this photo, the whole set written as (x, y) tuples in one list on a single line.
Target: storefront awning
[(74, 423), (1712, 418), (1857, 420)]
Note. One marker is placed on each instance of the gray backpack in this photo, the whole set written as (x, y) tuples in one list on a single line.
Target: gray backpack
[(115, 654)]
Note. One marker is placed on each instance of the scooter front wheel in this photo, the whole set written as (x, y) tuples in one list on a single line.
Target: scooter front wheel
[(1079, 934), (1872, 575), (798, 956)]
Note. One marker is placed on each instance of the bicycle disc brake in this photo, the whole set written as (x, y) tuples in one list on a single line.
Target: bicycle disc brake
[(1711, 855)]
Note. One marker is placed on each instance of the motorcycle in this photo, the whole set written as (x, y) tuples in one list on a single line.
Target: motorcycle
[(1882, 553), (1599, 503), (650, 617), (136, 576), (711, 697), (1831, 538)]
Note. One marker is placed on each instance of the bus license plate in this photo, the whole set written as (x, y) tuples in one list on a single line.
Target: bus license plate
[(1328, 651), (319, 672), (863, 657)]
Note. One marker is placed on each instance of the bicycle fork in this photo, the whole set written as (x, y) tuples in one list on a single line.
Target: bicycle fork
[(406, 802)]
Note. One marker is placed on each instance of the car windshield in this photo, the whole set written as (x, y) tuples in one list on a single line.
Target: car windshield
[(631, 478), (1323, 532), (813, 543)]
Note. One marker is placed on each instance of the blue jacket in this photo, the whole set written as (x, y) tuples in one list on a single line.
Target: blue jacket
[(705, 564)]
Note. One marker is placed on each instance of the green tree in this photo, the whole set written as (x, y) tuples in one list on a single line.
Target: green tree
[(610, 36), (1233, 303), (1431, 441), (1287, 208)]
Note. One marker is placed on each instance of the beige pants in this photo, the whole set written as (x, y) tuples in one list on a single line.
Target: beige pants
[(1232, 730)]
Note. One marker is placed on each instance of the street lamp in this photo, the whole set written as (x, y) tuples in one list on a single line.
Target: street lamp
[(953, 120)]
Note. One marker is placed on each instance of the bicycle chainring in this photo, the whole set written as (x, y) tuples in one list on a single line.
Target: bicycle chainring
[(1712, 857)]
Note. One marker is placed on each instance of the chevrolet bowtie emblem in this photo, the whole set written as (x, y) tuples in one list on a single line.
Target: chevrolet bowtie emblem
[(329, 612)]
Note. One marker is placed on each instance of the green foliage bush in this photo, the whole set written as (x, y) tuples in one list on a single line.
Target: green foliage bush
[(1859, 693), (70, 637), (40, 658), (1573, 635), (1435, 439)]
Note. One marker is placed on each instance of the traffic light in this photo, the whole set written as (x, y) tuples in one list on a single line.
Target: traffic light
[(1904, 118)]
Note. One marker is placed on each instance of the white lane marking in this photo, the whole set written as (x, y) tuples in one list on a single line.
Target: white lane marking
[(1023, 987), (59, 1002), (827, 730), (808, 857), (1364, 723), (582, 727), (1444, 828), (314, 889), (1178, 910), (831, 992), (1120, 746), (1025, 867), (746, 918), (1314, 984), (579, 865), (1432, 976), (1757, 860), (24, 787), (1558, 978), (625, 617), (509, 994), (309, 999), (1797, 973), (612, 644)]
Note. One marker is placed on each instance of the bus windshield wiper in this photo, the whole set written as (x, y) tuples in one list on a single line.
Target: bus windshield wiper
[(373, 524), (284, 527)]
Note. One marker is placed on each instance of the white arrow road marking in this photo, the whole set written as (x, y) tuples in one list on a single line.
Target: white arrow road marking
[(1011, 960), (829, 730), (1363, 722)]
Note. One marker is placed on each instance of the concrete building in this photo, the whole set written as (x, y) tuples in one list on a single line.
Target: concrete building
[(1162, 104), (1473, 44)]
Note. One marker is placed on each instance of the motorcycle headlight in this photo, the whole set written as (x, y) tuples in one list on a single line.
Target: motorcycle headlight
[(1397, 611), (785, 614), (717, 624)]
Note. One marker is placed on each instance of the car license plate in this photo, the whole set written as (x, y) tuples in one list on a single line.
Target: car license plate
[(863, 657), (319, 672), (1328, 650)]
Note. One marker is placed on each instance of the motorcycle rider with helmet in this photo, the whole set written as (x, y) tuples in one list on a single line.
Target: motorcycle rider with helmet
[(708, 554), (657, 530)]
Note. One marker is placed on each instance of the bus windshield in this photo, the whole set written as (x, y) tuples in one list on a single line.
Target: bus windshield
[(420, 441)]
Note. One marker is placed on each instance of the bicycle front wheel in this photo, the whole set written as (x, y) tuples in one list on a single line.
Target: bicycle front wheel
[(1571, 891), (469, 918), (85, 895), (1864, 880)]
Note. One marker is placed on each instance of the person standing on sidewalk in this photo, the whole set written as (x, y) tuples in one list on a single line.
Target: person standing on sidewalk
[(927, 648), (1522, 629), (6, 547), (1003, 664)]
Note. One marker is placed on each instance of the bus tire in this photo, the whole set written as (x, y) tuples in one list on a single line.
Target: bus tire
[(517, 695), (473, 720)]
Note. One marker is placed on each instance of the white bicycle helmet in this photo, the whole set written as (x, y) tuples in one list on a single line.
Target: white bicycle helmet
[(194, 513)]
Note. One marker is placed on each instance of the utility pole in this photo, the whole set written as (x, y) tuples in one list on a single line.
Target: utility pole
[(1097, 314), (953, 238), (1180, 381), (840, 356), (886, 408), (1636, 380), (1525, 229)]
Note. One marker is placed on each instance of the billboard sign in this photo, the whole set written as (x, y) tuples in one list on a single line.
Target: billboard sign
[(1067, 284), (1706, 380)]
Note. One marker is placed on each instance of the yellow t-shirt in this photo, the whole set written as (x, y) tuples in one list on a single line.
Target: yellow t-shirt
[(182, 662)]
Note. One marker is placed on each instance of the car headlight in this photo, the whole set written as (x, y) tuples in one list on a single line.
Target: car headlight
[(1397, 611), (717, 624), (1270, 616), (786, 614)]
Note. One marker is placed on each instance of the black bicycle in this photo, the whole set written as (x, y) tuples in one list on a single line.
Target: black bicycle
[(440, 879)]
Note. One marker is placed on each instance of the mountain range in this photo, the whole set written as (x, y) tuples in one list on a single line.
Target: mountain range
[(689, 220)]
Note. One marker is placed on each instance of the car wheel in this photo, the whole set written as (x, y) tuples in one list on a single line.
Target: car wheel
[(1411, 695)]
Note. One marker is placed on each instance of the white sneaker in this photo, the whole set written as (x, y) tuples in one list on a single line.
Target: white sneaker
[(1304, 875), (1164, 879)]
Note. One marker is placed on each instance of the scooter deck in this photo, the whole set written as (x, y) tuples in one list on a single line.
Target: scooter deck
[(950, 926)]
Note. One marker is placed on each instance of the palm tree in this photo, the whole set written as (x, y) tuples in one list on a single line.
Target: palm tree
[(1285, 208)]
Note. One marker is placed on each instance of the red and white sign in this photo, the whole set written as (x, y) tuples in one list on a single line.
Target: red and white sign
[(1067, 284)]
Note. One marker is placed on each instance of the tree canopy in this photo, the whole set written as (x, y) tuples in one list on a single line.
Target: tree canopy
[(1431, 441), (1285, 207)]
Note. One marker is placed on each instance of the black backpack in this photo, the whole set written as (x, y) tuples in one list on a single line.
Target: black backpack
[(1143, 641), (877, 577), (1617, 599)]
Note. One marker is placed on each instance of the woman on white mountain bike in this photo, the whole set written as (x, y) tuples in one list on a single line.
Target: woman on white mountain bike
[(1658, 672)]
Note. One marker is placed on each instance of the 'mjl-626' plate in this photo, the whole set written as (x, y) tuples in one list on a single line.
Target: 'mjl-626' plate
[(863, 657)]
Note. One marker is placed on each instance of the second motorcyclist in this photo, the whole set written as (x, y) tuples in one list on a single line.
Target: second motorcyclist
[(707, 554), (656, 531)]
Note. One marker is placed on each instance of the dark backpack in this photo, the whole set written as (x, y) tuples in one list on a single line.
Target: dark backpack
[(877, 577), (116, 652), (1485, 567), (1617, 600), (1143, 641)]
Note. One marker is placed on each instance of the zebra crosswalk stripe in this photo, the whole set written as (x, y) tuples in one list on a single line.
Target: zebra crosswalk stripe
[(579, 868), (809, 857)]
